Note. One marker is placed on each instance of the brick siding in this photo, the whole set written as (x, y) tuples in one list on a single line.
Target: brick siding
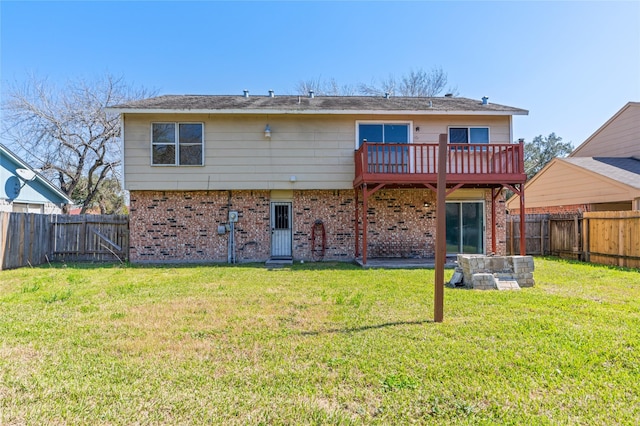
[(175, 226)]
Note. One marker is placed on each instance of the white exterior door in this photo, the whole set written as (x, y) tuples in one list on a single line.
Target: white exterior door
[(281, 229)]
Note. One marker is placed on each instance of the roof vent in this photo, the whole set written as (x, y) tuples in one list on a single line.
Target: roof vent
[(246, 93), (449, 95), (485, 100), (272, 94), (311, 94), (386, 95)]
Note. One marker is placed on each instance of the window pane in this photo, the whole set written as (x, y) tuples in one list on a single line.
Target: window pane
[(458, 135), (370, 132), (479, 135), (396, 133), (164, 154), (190, 155), (191, 133), (163, 133)]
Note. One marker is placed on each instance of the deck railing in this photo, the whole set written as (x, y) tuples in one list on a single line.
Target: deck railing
[(412, 163)]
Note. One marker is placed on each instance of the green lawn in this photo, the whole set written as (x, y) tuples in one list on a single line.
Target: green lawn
[(315, 344)]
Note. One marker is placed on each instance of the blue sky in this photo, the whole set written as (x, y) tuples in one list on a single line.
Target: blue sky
[(571, 64)]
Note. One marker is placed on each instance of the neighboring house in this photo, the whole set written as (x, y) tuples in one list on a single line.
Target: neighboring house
[(253, 178), (25, 190), (602, 174)]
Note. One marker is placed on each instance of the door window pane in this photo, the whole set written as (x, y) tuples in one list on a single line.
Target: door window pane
[(383, 133), (453, 227), (281, 216), (472, 228), (396, 133), (370, 133), (465, 228)]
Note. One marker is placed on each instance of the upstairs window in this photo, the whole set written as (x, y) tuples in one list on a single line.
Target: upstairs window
[(383, 133), (177, 144), (468, 135)]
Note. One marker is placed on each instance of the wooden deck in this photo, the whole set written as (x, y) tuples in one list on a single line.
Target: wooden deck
[(417, 164), (491, 166)]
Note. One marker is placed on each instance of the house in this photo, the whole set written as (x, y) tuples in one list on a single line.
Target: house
[(25, 190), (253, 178), (602, 174)]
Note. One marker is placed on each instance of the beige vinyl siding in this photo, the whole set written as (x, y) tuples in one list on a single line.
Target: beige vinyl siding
[(619, 137), (563, 184), (317, 150)]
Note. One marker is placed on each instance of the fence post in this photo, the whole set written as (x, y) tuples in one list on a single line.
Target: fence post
[(542, 236), (4, 227), (576, 234), (585, 238)]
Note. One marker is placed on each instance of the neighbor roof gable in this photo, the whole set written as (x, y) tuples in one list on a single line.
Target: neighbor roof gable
[(44, 181), (620, 173), (622, 170), (595, 136)]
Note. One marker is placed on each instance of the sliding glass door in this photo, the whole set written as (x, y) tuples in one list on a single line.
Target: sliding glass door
[(465, 227)]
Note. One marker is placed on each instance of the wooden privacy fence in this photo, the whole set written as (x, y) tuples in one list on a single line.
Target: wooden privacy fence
[(536, 234), (609, 238), (613, 238), (33, 239), (24, 239), (90, 237)]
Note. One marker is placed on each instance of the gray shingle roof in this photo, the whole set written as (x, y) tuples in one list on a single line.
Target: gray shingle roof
[(318, 104), (624, 170)]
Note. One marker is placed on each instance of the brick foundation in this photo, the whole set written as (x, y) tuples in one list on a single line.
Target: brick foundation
[(175, 226)]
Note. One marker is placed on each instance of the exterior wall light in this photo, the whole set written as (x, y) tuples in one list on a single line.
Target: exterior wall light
[(267, 132)]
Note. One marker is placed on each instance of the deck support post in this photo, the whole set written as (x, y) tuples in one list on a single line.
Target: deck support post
[(523, 241), (365, 207), (357, 227)]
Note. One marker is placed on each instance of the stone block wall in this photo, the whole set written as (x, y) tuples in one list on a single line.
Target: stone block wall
[(507, 268)]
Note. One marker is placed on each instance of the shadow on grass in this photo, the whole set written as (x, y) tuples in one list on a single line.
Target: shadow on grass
[(364, 328)]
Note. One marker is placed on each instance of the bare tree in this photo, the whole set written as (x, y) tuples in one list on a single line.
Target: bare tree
[(375, 88), (421, 83), (66, 133), (324, 87), (418, 83)]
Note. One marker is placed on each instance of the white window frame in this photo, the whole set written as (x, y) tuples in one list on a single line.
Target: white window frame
[(469, 133), (359, 122), (176, 144)]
